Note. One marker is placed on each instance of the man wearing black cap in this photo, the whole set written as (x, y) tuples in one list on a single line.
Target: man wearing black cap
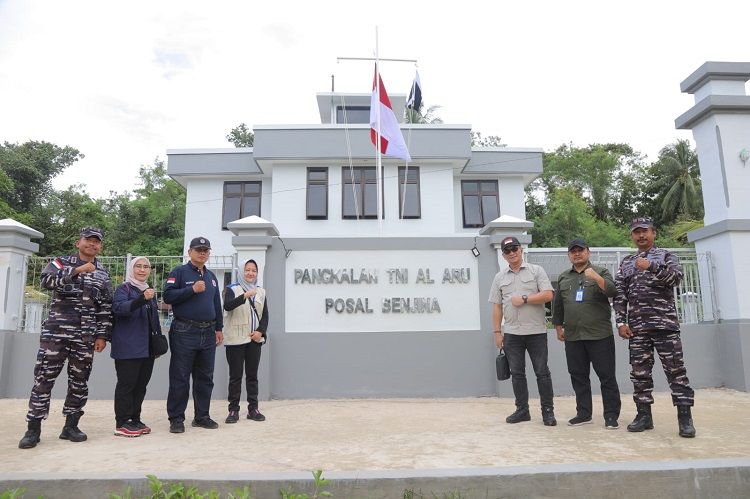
[(583, 320), (79, 323), (646, 315), (193, 292), (518, 295)]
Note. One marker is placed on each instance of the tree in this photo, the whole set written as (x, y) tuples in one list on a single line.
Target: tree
[(677, 185), (601, 174), (568, 216), (426, 117), (30, 168), (477, 140), (241, 136), (151, 219)]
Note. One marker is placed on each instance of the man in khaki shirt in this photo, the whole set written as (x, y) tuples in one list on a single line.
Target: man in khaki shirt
[(518, 295)]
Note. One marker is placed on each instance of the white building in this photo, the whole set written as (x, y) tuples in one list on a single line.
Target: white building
[(314, 189)]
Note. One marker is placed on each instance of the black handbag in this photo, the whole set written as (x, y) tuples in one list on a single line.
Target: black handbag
[(501, 366), (157, 343)]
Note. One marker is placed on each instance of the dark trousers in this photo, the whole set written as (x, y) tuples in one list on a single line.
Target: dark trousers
[(516, 346), (193, 354), (669, 347), (581, 356), (241, 358), (133, 376)]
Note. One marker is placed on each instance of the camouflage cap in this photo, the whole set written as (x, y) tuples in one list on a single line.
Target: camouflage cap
[(93, 232), (641, 223)]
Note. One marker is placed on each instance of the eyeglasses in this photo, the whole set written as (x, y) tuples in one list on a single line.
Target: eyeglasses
[(145, 267), (201, 250), (512, 249)]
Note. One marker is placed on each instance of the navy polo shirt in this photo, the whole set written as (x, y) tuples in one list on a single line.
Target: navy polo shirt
[(189, 305)]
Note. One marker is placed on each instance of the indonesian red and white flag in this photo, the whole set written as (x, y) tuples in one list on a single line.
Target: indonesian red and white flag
[(391, 139)]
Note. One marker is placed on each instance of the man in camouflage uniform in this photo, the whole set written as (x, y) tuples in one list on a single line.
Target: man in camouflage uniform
[(79, 323), (646, 315)]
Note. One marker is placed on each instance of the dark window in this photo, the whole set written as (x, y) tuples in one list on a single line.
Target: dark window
[(479, 200), (354, 114), (241, 199), (408, 193), (359, 192), (317, 193)]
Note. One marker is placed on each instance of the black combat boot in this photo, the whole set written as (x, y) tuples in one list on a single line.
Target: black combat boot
[(643, 420), (685, 421), (70, 431), (31, 437)]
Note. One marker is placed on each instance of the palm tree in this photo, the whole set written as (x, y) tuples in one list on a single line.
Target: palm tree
[(678, 183), (427, 117)]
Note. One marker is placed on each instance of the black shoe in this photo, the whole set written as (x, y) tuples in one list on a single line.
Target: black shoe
[(548, 416), (176, 427), (255, 415), (519, 416), (685, 421), (142, 427), (643, 420), (205, 422), (71, 431), (579, 420), (610, 423), (31, 437), (233, 417)]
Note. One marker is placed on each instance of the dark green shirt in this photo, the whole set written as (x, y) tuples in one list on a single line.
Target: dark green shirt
[(590, 319)]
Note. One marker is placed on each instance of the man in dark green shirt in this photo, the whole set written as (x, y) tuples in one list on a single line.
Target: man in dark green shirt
[(582, 317)]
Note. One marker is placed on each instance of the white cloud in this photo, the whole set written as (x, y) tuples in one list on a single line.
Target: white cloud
[(124, 82)]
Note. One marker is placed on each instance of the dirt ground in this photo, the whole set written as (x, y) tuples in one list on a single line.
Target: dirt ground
[(375, 434)]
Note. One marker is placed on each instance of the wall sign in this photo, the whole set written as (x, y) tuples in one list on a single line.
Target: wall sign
[(367, 291)]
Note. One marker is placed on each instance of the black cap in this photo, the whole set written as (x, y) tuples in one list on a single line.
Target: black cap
[(200, 242), (641, 223), (93, 232), (577, 243), (508, 242)]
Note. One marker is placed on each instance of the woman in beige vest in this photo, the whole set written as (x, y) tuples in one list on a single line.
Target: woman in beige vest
[(245, 323)]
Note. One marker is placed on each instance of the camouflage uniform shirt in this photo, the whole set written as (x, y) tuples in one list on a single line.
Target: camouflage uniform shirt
[(80, 303), (645, 298)]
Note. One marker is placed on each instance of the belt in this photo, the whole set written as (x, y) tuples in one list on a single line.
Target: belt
[(197, 324)]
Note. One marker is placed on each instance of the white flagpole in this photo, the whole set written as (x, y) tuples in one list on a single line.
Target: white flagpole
[(379, 159)]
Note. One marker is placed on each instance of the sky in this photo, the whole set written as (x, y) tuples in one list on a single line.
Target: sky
[(123, 82)]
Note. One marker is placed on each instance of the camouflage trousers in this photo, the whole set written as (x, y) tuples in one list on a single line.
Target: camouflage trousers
[(669, 347), (55, 346)]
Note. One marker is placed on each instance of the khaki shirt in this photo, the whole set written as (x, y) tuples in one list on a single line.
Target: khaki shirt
[(530, 279)]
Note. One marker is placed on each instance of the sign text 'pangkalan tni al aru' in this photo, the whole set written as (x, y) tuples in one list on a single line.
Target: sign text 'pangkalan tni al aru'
[(388, 305)]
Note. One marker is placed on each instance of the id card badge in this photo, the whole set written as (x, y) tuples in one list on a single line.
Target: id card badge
[(579, 294)]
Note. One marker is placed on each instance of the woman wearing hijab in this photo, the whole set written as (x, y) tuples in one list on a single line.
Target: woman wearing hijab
[(136, 315), (245, 323)]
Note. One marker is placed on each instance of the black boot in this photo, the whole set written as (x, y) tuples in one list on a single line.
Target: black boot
[(643, 420), (31, 437), (70, 431), (685, 421)]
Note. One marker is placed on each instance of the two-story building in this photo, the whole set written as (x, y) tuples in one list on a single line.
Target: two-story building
[(362, 306)]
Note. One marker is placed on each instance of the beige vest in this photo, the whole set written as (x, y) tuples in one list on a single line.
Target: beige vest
[(237, 321)]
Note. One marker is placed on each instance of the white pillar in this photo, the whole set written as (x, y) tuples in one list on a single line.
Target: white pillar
[(15, 246), (252, 238), (720, 121)]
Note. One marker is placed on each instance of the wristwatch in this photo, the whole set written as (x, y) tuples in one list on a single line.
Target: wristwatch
[(620, 324), (525, 298)]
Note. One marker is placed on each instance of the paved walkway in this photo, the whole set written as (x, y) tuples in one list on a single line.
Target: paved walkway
[(391, 434)]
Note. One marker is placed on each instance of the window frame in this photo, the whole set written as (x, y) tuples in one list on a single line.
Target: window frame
[(318, 169), (363, 182), (241, 195), (479, 195), (340, 110), (418, 182)]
